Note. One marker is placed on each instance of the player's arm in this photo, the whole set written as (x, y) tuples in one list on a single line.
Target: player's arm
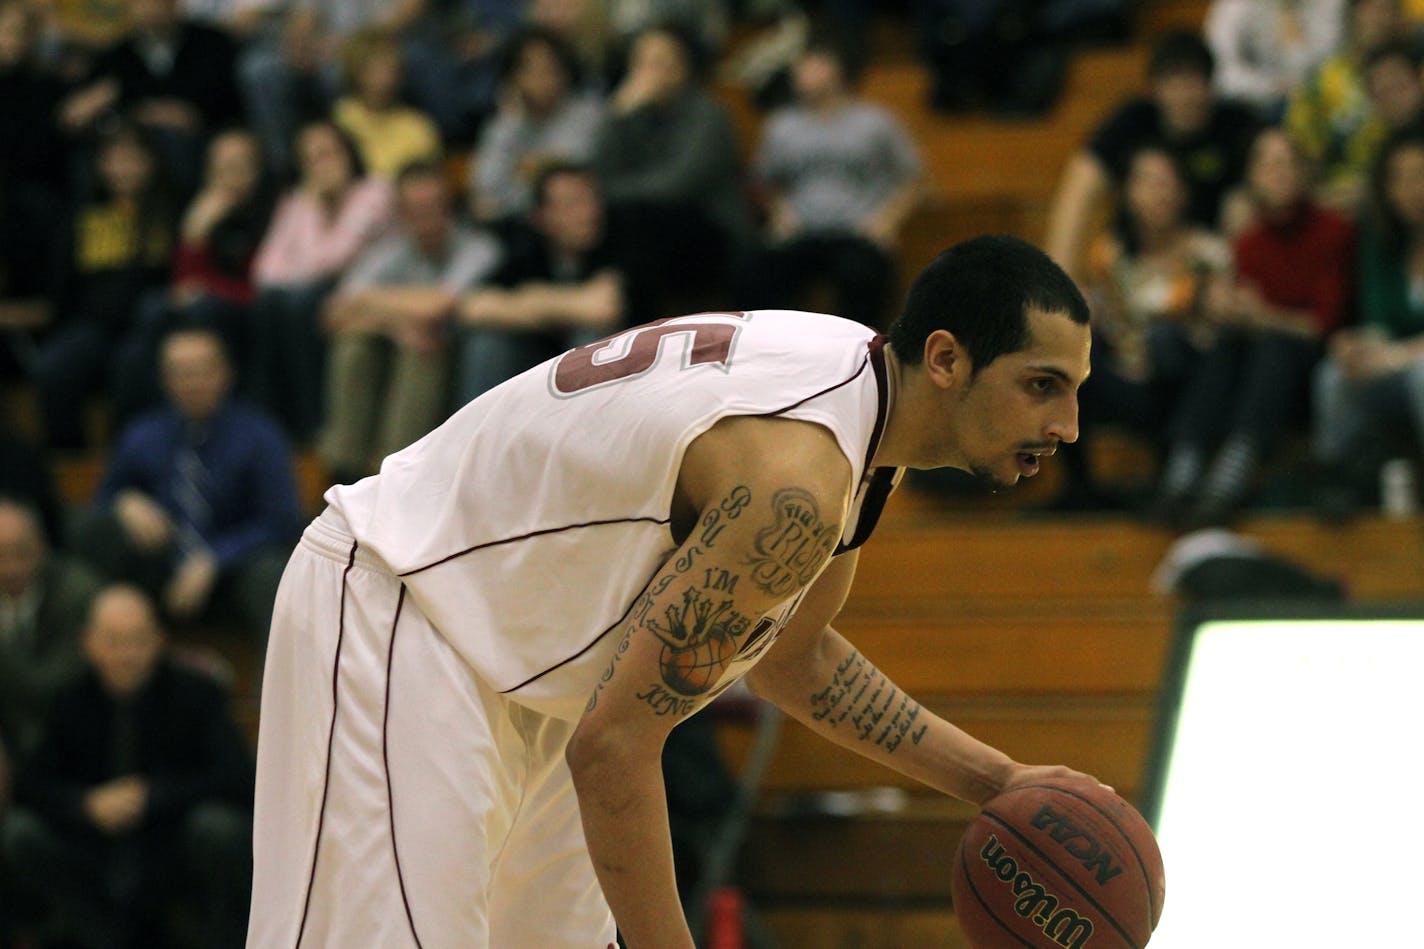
[(763, 501), (817, 677)]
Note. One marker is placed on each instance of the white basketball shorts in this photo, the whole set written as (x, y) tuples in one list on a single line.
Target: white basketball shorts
[(400, 801)]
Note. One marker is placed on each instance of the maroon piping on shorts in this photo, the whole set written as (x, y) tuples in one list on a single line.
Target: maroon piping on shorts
[(330, 742), (386, 763)]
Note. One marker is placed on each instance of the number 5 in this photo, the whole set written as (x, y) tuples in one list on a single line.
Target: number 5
[(576, 370)]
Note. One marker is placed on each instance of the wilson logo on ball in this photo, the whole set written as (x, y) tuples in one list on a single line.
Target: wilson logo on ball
[(1033, 901), (1079, 844)]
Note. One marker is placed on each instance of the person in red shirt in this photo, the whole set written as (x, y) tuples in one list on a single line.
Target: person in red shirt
[(1293, 289)]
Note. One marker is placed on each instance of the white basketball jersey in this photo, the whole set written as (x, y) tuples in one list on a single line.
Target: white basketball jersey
[(526, 526)]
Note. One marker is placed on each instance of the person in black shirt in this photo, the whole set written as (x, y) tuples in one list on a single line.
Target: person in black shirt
[(137, 797), (564, 282), (173, 77), (1209, 137)]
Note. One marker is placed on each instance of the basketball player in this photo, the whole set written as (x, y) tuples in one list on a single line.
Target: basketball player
[(478, 652)]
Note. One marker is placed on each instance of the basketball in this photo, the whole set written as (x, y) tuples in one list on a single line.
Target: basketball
[(1060, 863)]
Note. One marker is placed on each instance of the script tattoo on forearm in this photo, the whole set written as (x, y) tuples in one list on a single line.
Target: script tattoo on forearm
[(872, 706), (793, 548)]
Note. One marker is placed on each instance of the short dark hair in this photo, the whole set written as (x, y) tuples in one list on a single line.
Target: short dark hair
[(556, 169), (1398, 48), (536, 35), (1181, 51), (980, 290)]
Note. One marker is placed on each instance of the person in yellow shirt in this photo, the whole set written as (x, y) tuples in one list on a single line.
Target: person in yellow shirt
[(389, 134), (1331, 117)]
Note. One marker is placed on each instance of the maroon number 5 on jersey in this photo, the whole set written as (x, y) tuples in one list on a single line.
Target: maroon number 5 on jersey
[(578, 369)]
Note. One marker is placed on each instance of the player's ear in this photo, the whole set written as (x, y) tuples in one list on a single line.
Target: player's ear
[(946, 361)]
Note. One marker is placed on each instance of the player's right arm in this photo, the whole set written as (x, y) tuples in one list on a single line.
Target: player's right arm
[(765, 502)]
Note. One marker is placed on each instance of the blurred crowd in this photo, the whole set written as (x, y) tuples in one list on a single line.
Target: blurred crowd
[(238, 232), (1250, 233)]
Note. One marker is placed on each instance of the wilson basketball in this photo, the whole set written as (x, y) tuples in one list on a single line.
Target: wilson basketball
[(1061, 863)]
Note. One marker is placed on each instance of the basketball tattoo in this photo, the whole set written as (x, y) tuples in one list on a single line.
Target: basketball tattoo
[(701, 631)]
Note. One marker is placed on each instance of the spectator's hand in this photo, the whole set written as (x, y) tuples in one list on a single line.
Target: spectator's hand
[(783, 222), (602, 300), (206, 210), (192, 583), (170, 114), (117, 805), (185, 292), (1373, 356), (638, 88), (881, 229), (423, 334), (145, 523), (81, 109)]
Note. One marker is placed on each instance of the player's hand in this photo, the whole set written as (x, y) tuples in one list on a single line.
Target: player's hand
[(1022, 774)]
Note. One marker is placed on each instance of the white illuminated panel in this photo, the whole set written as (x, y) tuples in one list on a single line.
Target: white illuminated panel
[(1292, 802)]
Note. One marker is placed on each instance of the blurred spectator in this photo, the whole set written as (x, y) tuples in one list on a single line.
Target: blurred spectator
[(1330, 115), (34, 262), (44, 604), (334, 212), (175, 78), (453, 57), (1010, 55), (242, 19), (122, 246), (25, 477), (705, 22), (1153, 284), (1265, 49), (668, 162), (388, 134), (1394, 85), (1294, 283), (134, 813), (1369, 391), (449, 46), (841, 177), (388, 382), (198, 503), (584, 26), (212, 270), (1208, 136), (29, 100), (292, 78), (543, 116), (562, 284), (78, 31)]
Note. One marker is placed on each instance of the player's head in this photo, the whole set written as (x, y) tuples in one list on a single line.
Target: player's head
[(994, 342), (981, 291)]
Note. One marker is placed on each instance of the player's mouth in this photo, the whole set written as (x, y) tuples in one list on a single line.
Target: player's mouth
[(1029, 460)]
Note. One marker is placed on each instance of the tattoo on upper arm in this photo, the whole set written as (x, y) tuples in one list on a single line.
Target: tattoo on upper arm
[(791, 551), (876, 709)]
